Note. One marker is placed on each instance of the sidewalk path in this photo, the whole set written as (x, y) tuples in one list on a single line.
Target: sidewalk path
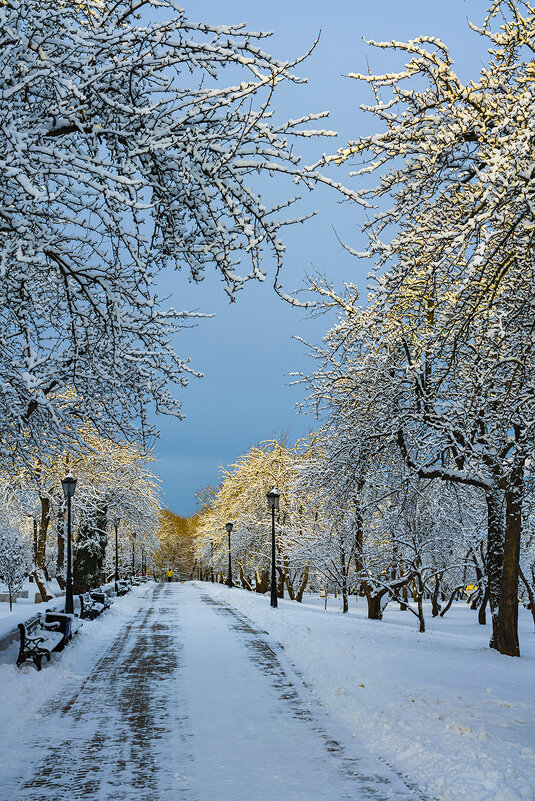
[(191, 703)]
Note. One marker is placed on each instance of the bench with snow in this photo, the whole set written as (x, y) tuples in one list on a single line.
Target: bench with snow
[(90, 608), (93, 603), (123, 587), (102, 597), (68, 624), (38, 638)]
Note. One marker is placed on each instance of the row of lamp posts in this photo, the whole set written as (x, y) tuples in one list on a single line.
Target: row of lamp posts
[(69, 487), (273, 501)]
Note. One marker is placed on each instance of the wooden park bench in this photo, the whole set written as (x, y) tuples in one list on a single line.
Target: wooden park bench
[(38, 638), (102, 597), (90, 608), (123, 587), (68, 624)]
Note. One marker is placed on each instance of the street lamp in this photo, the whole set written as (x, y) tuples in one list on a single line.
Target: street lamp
[(133, 553), (116, 521), (229, 526), (69, 486), (273, 501), (211, 561)]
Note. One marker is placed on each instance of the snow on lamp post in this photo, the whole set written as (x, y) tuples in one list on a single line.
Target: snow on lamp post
[(229, 526), (69, 485), (273, 501), (116, 521)]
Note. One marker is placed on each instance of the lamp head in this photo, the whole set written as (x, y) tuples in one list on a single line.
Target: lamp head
[(229, 527), (273, 498), (69, 485)]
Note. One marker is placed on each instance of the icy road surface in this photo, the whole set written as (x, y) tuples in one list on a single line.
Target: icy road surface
[(191, 703)]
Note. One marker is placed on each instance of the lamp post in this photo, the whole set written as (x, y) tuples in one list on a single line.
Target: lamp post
[(211, 561), (229, 526), (273, 501), (69, 486), (116, 521), (143, 560), (133, 553)]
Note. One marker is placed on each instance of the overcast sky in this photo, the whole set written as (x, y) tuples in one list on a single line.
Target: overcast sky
[(247, 351)]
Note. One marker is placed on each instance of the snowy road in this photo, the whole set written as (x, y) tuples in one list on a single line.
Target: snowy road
[(191, 703)]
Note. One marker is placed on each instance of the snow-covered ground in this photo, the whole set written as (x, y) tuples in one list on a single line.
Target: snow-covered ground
[(440, 708)]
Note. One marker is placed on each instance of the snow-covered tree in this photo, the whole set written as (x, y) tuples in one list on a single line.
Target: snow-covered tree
[(113, 480), (14, 559), (452, 306), (240, 498), (123, 152)]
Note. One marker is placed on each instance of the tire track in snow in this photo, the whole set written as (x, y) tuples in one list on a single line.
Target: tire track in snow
[(368, 785)]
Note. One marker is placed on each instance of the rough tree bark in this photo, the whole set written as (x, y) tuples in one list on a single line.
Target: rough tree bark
[(302, 586), (261, 580), (40, 572), (505, 616)]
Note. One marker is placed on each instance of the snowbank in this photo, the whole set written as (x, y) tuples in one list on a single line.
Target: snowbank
[(440, 707)]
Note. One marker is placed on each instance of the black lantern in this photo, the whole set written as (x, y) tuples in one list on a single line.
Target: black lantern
[(133, 553), (69, 487), (229, 527), (116, 521), (273, 501)]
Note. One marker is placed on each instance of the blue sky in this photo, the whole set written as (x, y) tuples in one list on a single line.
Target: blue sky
[(247, 351)]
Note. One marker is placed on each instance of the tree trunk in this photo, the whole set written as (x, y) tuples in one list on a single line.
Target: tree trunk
[(39, 578), (262, 581), (244, 582), (40, 574), (482, 614), (451, 600), (436, 606), (419, 599), (403, 604), (375, 605), (345, 604), (495, 542), (280, 582), (302, 586), (359, 530), (288, 578), (505, 618), (42, 530)]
